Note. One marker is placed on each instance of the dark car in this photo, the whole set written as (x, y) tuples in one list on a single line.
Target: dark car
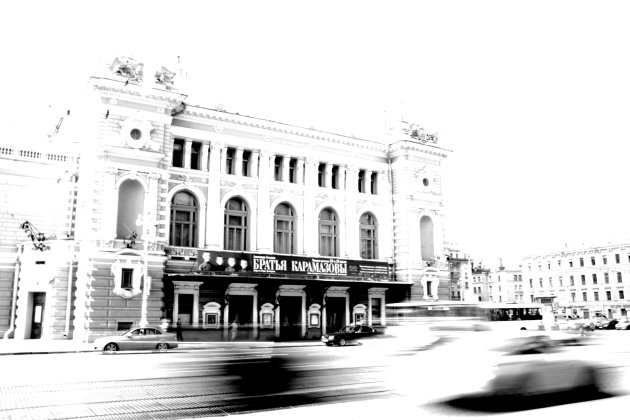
[(349, 334)]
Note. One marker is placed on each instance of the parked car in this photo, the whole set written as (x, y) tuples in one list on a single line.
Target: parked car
[(623, 324), (349, 334), (139, 338), (609, 324)]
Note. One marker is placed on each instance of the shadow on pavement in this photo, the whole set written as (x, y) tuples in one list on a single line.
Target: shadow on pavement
[(502, 404)]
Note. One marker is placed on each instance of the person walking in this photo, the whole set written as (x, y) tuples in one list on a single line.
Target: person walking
[(233, 330), (180, 336)]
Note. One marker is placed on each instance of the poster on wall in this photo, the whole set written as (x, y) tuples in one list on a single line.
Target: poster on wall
[(246, 263)]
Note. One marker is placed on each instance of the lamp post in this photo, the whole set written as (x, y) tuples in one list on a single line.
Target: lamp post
[(146, 235)]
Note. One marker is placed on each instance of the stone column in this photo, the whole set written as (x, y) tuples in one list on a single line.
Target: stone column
[(223, 156), (214, 216), (303, 314), (187, 153), (175, 306), (238, 162), (285, 168), (204, 156), (328, 175), (195, 309), (299, 168), (253, 164), (255, 314), (310, 223), (264, 235)]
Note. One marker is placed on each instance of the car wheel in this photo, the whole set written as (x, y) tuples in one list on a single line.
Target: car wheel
[(342, 342), (162, 347), (110, 348)]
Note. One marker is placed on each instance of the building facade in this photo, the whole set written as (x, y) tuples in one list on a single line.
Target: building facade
[(164, 211), (582, 282), (506, 285)]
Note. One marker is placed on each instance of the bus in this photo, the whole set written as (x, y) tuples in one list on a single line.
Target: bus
[(470, 316)]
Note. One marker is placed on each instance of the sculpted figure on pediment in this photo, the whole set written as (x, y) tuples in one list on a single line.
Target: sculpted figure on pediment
[(129, 68), (418, 133), (164, 76)]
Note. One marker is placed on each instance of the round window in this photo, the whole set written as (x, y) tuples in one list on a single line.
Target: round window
[(425, 181), (135, 134)]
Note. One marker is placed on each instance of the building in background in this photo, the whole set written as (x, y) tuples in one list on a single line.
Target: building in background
[(478, 291), (506, 285), (146, 209), (581, 282), (460, 274)]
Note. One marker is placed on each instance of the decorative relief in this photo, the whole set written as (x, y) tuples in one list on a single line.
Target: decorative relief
[(218, 129), (136, 133), (164, 76), (181, 252), (418, 133), (128, 67), (227, 183)]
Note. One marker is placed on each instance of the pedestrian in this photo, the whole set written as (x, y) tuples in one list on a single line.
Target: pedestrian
[(180, 337), (233, 330)]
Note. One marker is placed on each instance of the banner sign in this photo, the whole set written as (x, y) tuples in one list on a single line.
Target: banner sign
[(238, 262)]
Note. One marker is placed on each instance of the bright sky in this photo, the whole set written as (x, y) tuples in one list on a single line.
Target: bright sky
[(533, 97)]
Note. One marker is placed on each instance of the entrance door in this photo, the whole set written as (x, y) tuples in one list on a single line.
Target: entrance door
[(37, 317), (290, 317), (335, 314)]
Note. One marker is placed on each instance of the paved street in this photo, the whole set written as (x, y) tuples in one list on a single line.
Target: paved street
[(237, 379)]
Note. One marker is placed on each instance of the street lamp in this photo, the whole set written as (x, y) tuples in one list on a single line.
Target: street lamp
[(146, 235)]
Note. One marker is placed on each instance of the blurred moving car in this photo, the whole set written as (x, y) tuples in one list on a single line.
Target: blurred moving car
[(503, 365), (543, 364), (139, 338), (349, 334)]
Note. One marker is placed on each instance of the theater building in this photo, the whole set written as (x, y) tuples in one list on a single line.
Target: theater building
[(169, 211)]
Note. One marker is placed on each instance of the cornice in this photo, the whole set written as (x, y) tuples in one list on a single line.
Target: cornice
[(212, 117)]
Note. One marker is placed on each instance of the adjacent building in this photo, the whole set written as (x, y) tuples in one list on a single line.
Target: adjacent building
[(581, 282), (145, 209)]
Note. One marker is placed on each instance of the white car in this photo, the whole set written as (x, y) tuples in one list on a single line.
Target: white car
[(139, 338)]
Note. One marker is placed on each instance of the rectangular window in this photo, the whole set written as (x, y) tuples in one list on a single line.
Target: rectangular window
[(617, 258), (178, 153), (596, 295), (605, 259), (606, 280), (277, 168), (581, 262), (619, 279), (531, 283), (608, 295), (621, 295), (195, 156), (559, 263), (373, 181), (550, 282), (229, 161), (571, 281), (247, 157), (570, 263), (376, 311), (361, 181), (321, 173), (592, 260), (292, 170), (560, 280), (572, 297), (584, 296), (583, 279), (124, 326), (594, 278), (335, 177), (126, 280), (540, 281)]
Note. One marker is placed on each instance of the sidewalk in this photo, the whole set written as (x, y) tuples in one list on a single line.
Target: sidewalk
[(13, 346)]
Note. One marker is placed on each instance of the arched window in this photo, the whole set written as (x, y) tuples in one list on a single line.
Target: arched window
[(328, 233), (369, 249), (284, 229), (235, 223), (184, 217), (130, 205), (426, 239)]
